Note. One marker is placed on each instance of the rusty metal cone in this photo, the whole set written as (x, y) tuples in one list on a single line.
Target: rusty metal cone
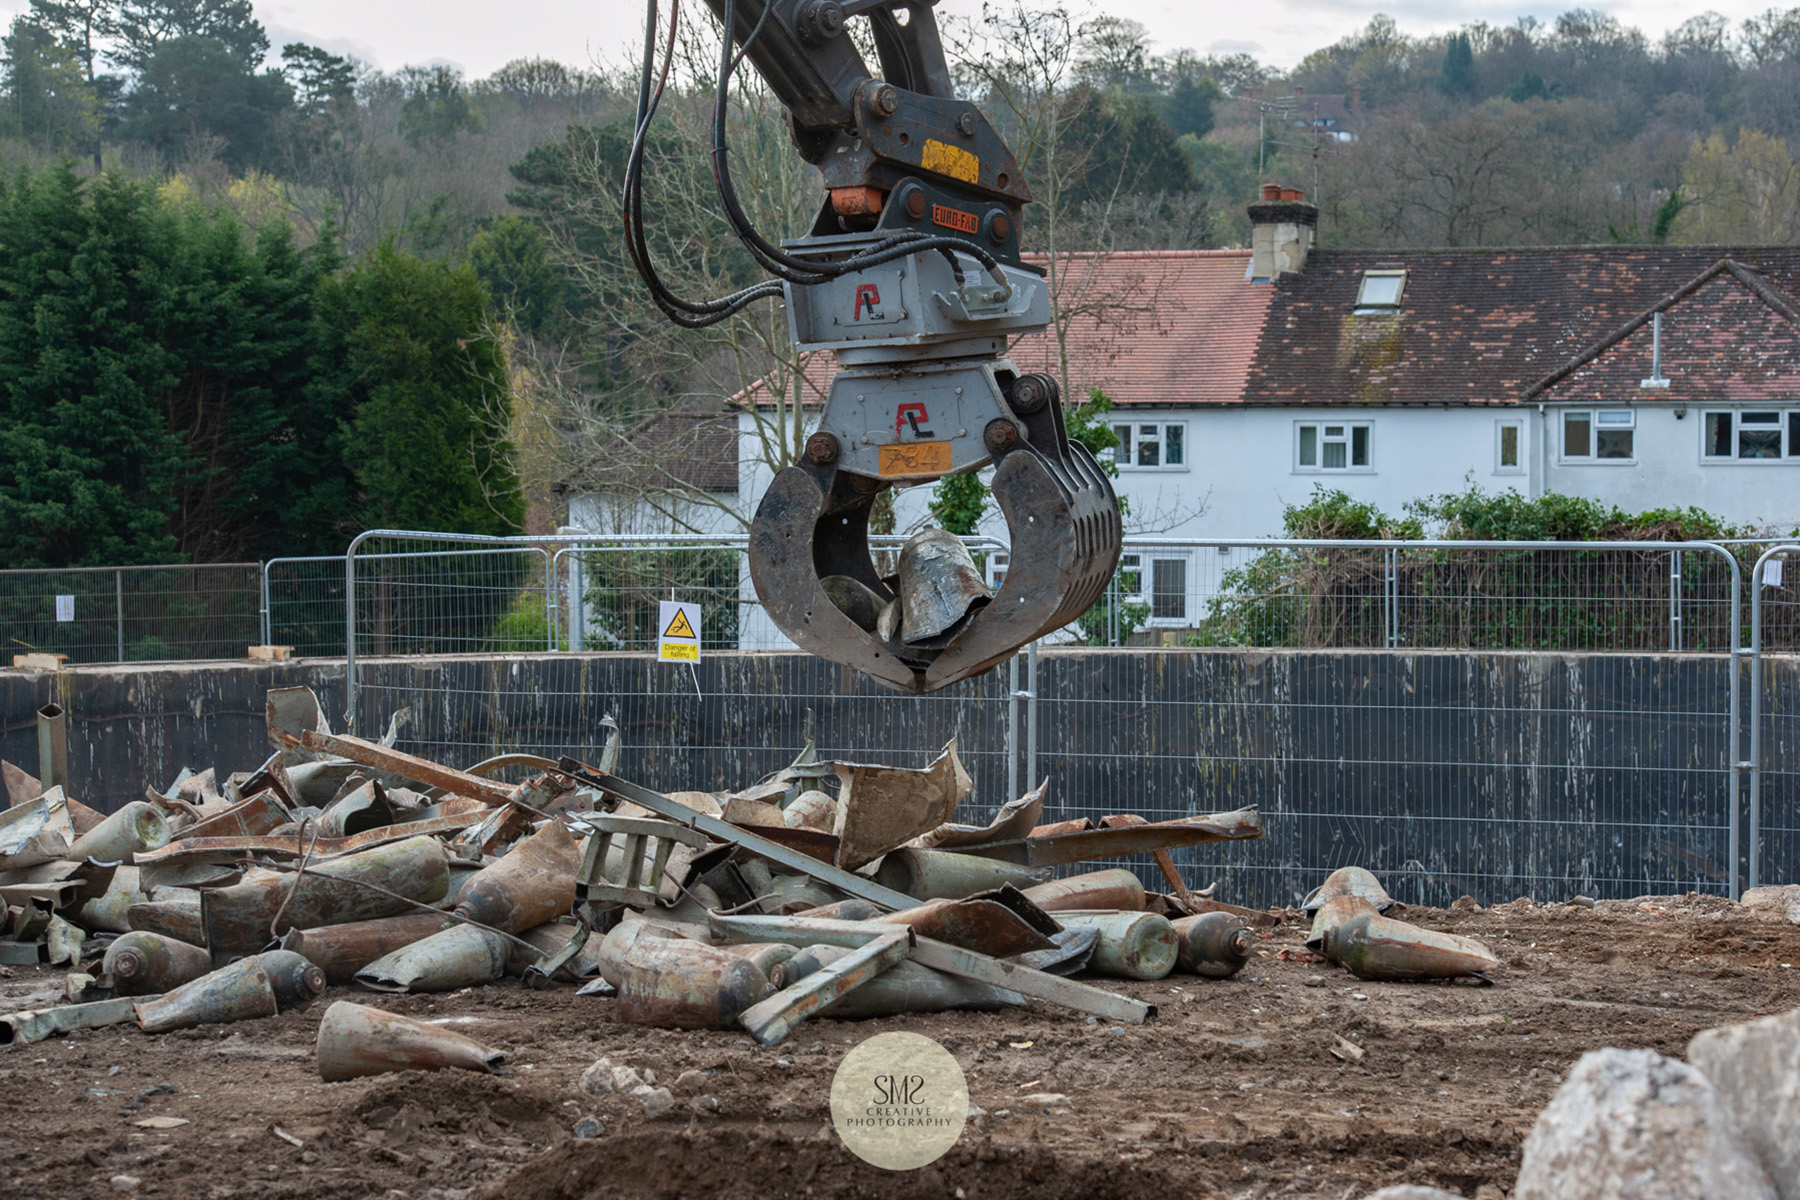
[(356, 1040), (237, 918), (1215, 944), (1335, 912), (1131, 945), (343, 950), (297, 982), (1114, 889), (237, 992), (146, 964), (461, 956), (1372, 946), (179, 919), (618, 943), (905, 987), (136, 827), (946, 875), (940, 585), (108, 913), (678, 984), (1349, 881), (533, 883)]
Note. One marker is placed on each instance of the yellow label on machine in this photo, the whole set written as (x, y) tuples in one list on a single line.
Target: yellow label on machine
[(950, 160), (914, 458)]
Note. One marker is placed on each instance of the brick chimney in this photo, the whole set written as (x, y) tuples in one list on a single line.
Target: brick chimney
[(1282, 227)]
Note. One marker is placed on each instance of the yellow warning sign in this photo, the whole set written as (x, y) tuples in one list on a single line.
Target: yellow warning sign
[(680, 637)]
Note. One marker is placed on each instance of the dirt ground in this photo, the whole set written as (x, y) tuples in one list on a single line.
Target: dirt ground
[(1232, 1091)]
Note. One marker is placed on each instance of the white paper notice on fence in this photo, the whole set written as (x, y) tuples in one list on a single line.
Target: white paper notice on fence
[(1772, 573), (679, 640), (65, 608)]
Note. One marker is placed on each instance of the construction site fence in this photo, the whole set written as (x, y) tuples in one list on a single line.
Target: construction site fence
[(1497, 719)]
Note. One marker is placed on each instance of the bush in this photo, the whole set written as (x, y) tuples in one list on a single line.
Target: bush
[(1492, 599)]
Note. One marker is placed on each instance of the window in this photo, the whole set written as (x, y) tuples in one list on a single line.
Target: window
[(1508, 447), (1167, 597), (1606, 434), (1766, 435), (1381, 289), (1333, 446), (1151, 444), (1168, 589)]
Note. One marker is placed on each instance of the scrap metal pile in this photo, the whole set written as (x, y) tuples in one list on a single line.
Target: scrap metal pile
[(834, 889)]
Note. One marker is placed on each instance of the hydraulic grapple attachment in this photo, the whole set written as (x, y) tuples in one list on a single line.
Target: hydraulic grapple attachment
[(898, 415)]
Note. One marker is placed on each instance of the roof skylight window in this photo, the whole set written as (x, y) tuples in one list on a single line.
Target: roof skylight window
[(1381, 289)]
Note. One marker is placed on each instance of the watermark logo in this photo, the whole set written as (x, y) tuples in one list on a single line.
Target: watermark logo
[(899, 1101)]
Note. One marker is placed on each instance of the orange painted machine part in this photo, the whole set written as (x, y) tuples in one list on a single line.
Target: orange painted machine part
[(857, 201)]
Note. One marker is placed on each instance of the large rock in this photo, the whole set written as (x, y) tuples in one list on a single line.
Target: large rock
[(1633, 1125), (1781, 903), (1756, 1069)]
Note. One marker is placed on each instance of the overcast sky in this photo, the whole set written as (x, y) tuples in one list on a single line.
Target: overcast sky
[(480, 35)]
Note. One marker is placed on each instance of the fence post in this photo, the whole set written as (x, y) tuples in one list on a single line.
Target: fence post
[(1012, 727), (1031, 723), (549, 602), (119, 608), (1390, 601), (1675, 600), (350, 633)]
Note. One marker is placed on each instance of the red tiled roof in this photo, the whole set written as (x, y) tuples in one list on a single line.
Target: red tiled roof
[(1175, 327)]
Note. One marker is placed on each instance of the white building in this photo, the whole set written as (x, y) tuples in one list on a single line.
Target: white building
[(1637, 376)]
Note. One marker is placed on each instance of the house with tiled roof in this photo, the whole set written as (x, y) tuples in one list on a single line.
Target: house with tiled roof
[(1641, 376)]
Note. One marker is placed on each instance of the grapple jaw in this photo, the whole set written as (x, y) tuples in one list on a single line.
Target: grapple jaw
[(813, 571)]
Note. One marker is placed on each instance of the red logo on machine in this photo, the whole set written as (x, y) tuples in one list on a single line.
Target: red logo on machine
[(913, 415), (867, 297)]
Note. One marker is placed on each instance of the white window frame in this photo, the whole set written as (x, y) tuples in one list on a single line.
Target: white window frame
[(1786, 419), (1364, 304), (1321, 439), (1500, 428), (1595, 417), (1126, 453), (1144, 563)]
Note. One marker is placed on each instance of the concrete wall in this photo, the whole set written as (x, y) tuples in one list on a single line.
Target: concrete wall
[(1449, 773)]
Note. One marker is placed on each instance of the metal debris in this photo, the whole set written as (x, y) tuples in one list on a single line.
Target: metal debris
[(355, 1040), (339, 860)]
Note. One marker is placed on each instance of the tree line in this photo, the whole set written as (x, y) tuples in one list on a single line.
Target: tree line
[(247, 205)]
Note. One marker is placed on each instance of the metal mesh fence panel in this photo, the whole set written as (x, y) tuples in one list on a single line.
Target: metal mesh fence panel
[(1598, 763), (1493, 775), (1775, 717), (444, 596), (132, 614), (722, 725), (303, 605), (1497, 596)]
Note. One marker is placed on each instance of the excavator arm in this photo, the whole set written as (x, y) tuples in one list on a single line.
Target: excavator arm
[(911, 276)]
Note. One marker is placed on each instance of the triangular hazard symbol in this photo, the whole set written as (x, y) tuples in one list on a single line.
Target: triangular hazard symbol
[(679, 627)]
